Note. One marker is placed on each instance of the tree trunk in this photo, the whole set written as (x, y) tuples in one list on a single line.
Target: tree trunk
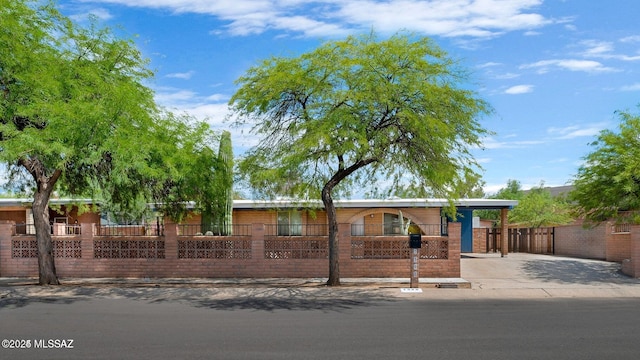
[(332, 219), (46, 263), (44, 187)]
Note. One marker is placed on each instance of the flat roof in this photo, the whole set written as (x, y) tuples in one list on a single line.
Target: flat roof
[(287, 204), (5, 202), (375, 203)]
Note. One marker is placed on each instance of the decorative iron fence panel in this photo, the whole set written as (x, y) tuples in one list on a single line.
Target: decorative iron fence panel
[(57, 229), (276, 230), (200, 230), (130, 230)]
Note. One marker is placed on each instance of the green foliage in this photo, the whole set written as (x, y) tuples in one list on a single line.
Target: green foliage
[(356, 112), (538, 208), (76, 117), (607, 186), (72, 101), (378, 109), (217, 203), (513, 191)]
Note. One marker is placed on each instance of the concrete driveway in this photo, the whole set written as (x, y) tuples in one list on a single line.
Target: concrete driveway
[(520, 275)]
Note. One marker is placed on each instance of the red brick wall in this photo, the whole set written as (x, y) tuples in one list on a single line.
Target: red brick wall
[(576, 240), (479, 240), (631, 265), (618, 246), (256, 266)]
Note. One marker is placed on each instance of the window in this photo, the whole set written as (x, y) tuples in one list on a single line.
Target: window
[(289, 223), (392, 224), (357, 227)]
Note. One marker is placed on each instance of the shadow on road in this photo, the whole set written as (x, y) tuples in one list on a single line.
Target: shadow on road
[(292, 298), (266, 298), (576, 271)]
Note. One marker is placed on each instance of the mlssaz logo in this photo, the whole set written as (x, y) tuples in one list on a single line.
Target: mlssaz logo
[(53, 344)]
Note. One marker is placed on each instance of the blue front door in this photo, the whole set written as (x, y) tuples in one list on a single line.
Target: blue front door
[(465, 216)]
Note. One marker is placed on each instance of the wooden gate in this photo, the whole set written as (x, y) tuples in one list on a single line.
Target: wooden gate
[(529, 240)]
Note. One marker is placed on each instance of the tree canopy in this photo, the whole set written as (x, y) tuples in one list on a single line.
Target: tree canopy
[(357, 112), (537, 208), (76, 117), (607, 186)]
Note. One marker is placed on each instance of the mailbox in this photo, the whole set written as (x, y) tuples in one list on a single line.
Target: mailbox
[(415, 241)]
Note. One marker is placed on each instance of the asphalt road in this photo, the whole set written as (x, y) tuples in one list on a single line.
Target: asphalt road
[(313, 323)]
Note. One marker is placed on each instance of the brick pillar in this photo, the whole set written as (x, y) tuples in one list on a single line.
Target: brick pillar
[(7, 229), (635, 251), (170, 239), (257, 243), (87, 232), (504, 235), (455, 242), (344, 243)]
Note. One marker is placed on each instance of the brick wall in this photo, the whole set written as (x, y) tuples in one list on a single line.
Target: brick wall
[(631, 265), (88, 255), (618, 246), (578, 241), (479, 240)]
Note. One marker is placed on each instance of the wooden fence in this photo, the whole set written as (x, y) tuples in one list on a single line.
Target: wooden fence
[(528, 240)]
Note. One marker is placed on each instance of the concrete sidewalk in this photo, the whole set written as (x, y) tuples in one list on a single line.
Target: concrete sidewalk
[(520, 275), (516, 276)]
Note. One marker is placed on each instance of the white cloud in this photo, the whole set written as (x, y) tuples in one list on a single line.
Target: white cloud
[(630, 39), (185, 76), (491, 143), (588, 66), (632, 87), (604, 50), (519, 89), (506, 76), (488, 65), (472, 18), (212, 108), (100, 13), (574, 131)]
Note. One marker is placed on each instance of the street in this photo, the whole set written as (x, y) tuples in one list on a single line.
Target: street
[(312, 322)]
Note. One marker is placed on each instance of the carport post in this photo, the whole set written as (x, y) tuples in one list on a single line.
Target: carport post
[(504, 232)]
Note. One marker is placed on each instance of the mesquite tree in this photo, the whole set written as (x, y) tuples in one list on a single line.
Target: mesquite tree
[(76, 117), (354, 112), (607, 185)]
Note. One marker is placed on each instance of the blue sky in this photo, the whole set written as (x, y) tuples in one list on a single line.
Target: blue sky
[(555, 71)]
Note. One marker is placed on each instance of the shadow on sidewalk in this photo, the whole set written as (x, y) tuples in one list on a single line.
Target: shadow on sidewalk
[(266, 298)]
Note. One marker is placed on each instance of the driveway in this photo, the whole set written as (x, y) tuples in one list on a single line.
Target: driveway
[(520, 275)]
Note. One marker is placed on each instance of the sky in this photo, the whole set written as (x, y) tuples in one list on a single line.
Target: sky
[(555, 71)]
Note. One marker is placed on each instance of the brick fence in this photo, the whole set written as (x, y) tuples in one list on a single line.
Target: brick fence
[(251, 255)]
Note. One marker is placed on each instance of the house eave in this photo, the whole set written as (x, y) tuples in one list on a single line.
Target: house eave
[(376, 203)]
